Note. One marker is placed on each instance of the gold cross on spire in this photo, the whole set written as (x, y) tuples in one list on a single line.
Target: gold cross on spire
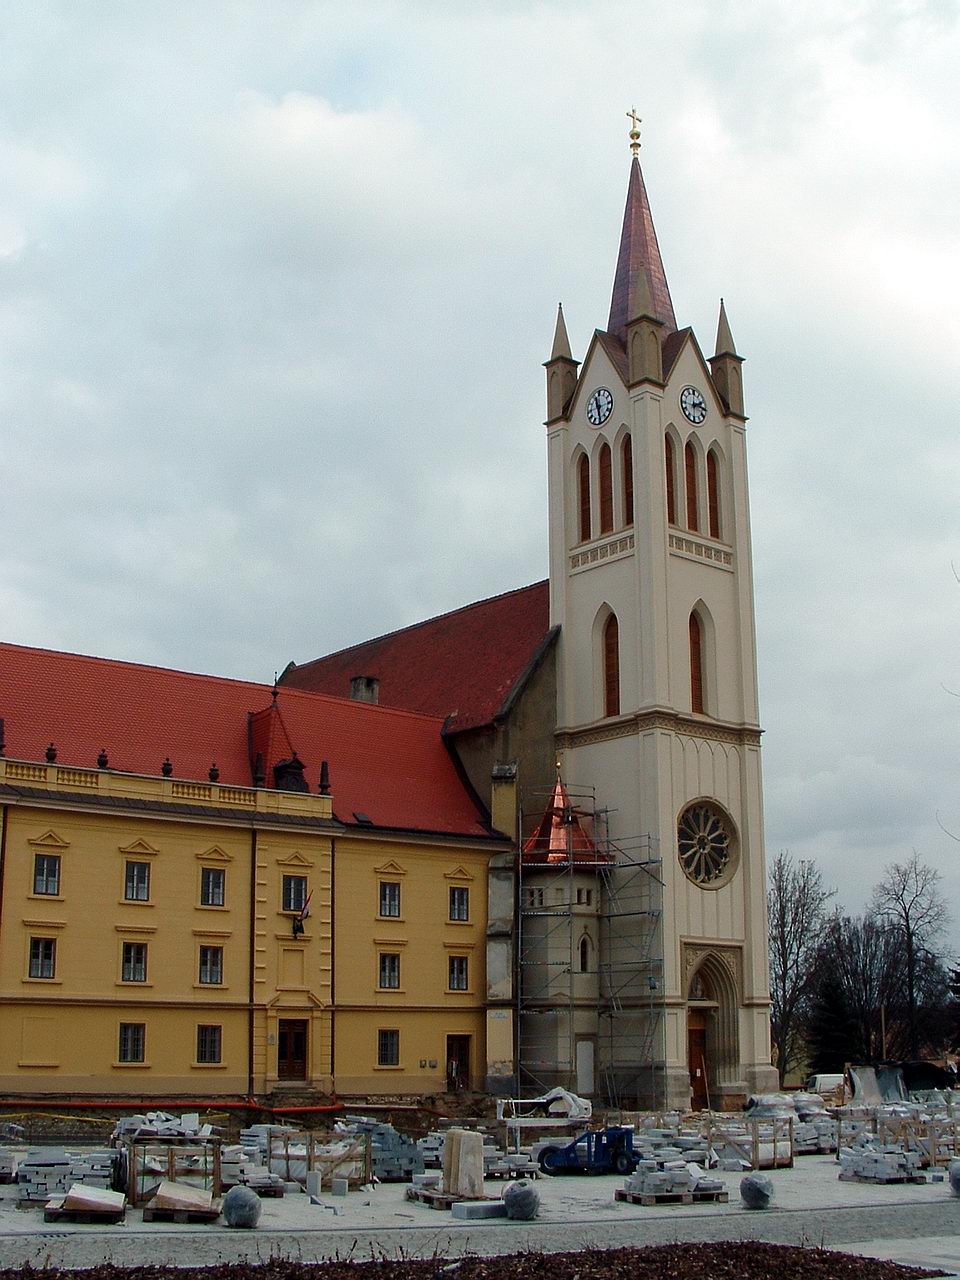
[(635, 131)]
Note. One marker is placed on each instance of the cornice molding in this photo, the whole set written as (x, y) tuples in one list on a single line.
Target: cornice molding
[(665, 721)]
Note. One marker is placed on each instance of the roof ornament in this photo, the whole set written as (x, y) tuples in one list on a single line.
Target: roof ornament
[(102, 760), (324, 778), (634, 132), (51, 753), (213, 773), (167, 767)]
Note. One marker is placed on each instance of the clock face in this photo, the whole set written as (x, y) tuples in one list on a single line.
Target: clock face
[(599, 407), (693, 405)]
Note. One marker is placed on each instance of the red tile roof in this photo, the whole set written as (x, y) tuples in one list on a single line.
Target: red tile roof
[(391, 765), (463, 664)]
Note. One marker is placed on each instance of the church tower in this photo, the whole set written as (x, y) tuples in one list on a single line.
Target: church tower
[(651, 584)]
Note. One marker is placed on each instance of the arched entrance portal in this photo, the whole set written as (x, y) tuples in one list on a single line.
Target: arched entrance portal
[(712, 1040)]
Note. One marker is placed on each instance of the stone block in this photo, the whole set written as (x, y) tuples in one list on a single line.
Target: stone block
[(475, 1210)]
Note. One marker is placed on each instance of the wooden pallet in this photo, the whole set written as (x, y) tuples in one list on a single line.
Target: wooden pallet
[(180, 1215), (672, 1197), (53, 1211), (431, 1198), (885, 1181), (511, 1171)]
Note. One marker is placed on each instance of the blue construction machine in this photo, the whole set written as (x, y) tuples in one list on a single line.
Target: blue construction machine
[(608, 1150)]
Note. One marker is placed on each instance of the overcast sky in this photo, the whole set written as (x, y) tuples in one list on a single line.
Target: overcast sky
[(276, 284)]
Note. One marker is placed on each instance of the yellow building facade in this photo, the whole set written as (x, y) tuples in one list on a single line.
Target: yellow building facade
[(174, 938)]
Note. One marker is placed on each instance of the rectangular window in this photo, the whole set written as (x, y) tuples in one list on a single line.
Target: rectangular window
[(133, 1037), (133, 966), (136, 882), (459, 904), (294, 893), (584, 897), (209, 1043), (388, 1048), (389, 971), (46, 873), (211, 965), (457, 973), (213, 882), (389, 898), (533, 897), (43, 957)]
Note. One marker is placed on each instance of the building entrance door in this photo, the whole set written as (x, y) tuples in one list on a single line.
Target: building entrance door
[(697, 1059), (292, 1049), (458, 1063)]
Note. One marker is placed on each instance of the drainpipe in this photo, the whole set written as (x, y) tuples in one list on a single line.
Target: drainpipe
[(251, 958), (3, 846), (333, 959)]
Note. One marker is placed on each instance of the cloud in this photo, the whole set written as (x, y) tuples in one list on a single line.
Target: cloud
[(275, 289)]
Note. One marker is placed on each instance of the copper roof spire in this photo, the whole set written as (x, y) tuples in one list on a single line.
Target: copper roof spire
[(639, 261)]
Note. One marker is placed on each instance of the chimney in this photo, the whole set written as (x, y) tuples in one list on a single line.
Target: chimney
[(365, 688)]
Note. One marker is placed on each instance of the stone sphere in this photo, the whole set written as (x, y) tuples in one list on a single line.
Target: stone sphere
[(756, 1191), (522, 1200), (241, 1207), (954, 1175)]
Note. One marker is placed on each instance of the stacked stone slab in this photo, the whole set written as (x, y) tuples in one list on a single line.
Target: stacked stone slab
[(395, 1157), (879, 1163), (6, 1166), (238, 1168), (44, 1172), (494, 1157), (669, 1177), (160, 1124)]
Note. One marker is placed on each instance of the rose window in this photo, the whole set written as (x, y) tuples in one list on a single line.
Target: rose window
[(704, 844)]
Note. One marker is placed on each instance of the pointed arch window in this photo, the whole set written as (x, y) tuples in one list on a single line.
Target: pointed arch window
[(690, 475), (670, 464), (696, 664), (584, 954), (626, 460), (611, 667), (583, 493), (605, 468), (713, 495)]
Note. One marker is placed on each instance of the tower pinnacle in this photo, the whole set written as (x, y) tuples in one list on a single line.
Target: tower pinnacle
[(640, 279)]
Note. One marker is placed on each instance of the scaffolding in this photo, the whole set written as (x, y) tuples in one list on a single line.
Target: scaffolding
[(589, 953)]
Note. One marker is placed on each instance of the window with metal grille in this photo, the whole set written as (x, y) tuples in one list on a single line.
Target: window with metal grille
[(294, 893), (133, 966), (713, 495), (459, 903), (611, 667), (671, 471), (690, 473), (457, 973), (209, 1042), (390, 898), (43, 957), (583, 489), (46, 873), (211, 965), (136, 882), (388, 1048), (605, 469), (133, 1037), (213, 881), (696, 664), (626, 460), (390, 970)]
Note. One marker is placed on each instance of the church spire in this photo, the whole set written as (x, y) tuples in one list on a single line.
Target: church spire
[(725, 343), (640, 278), (561, 343)]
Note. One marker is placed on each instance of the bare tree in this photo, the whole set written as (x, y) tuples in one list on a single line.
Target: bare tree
[(908, 898), (796, 903)]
